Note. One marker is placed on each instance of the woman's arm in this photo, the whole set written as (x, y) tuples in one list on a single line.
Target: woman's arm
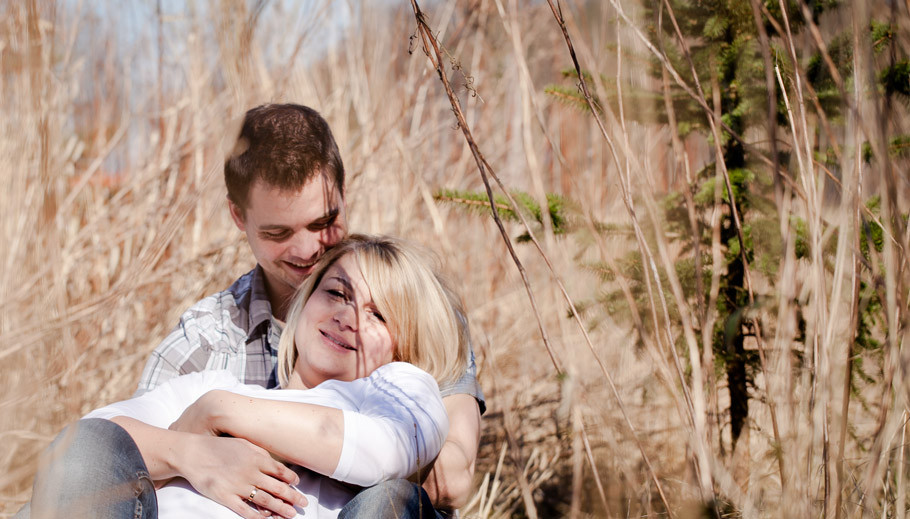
[(223, 469), (304, 434), (394, 422)]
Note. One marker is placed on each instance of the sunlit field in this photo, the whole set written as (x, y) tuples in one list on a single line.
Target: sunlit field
[(645, 349)]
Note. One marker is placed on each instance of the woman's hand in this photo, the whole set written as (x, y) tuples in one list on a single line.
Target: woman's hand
[(223, 469), (249, 467), (232, 484)]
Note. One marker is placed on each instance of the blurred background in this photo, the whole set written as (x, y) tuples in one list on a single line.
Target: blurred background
[(715, 237)]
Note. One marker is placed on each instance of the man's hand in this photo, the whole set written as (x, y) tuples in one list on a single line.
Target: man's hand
[(451, 476), (223, 469), (199, 417)]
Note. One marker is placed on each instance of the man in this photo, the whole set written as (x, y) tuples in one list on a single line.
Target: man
[(285, 183)]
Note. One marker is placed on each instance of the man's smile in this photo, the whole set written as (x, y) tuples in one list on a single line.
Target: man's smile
[(300, 269)]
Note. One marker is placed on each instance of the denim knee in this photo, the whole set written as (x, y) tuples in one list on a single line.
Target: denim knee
[(394, 499), (93, 469)]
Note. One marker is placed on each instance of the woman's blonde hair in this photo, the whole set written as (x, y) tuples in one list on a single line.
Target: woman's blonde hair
[(424, 316)]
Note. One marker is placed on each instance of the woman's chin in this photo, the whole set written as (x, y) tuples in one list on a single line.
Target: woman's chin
[(317, 376)]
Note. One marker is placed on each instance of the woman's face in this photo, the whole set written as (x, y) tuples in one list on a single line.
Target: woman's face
[(340, 334)]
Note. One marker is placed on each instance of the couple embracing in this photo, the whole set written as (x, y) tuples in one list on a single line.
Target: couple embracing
[(335, 379)]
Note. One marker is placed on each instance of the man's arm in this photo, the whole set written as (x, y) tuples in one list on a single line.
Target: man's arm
[(450, 480)]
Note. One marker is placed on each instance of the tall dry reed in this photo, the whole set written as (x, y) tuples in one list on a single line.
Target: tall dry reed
[(115, 124)]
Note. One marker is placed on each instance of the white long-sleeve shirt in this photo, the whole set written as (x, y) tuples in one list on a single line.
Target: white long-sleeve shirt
[(394, 423)]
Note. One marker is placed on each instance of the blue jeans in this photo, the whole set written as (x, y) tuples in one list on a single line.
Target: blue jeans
[(395, 499), (92, 469)]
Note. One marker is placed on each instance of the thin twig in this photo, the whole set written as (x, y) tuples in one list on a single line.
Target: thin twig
[(696, 406), (700, 100), (436, 58), (557, 13), (429, 42)]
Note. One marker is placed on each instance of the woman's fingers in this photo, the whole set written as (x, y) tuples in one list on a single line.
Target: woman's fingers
[(268, 502), (242, 508), (282, 491), (227, 470), (274, 491), (281, 472), (262, 504)]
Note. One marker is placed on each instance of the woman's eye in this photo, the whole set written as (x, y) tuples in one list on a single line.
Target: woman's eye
[(338, 294), (378, 316)]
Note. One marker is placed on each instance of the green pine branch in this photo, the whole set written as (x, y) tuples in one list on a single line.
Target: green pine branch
[(570, 96), (557, 208)]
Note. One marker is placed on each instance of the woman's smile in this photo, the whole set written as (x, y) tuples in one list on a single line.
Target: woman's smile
[(335, 341)]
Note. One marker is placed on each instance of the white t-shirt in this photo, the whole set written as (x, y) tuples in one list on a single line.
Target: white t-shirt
[(393, 419)]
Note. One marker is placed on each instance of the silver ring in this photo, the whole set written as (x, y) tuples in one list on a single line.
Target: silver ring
[(253, 493)]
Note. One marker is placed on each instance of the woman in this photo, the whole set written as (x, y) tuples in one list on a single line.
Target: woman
[(369, 336)]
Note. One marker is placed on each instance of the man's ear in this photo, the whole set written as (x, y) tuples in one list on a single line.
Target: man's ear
[(236, 215)]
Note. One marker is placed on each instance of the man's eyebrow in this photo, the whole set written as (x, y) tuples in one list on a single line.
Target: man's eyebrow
[(327, 217), (331, 214)]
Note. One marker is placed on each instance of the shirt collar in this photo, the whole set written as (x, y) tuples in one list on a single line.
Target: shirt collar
[(259, 310)]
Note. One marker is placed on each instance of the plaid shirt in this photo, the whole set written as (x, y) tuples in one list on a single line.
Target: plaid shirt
[(234, 330)]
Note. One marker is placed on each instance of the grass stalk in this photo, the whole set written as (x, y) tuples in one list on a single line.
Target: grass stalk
[(429, 40)]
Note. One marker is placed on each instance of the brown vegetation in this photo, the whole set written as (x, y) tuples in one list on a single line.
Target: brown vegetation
[(115, 121)]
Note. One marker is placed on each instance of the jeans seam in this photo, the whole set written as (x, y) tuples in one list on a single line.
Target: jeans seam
[(143, 481), (140, 476)]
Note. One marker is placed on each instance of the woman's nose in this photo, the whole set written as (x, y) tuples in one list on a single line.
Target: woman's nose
[(346, 315)]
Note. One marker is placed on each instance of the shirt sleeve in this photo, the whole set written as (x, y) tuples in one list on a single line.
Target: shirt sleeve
[(399, 427), (164, 404), (467, 384), (184, 350), (159, 368)]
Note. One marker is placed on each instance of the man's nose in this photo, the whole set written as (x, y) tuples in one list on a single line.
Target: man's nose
[(306, 246)]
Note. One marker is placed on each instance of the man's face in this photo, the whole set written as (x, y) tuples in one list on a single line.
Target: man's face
[(289, 231)]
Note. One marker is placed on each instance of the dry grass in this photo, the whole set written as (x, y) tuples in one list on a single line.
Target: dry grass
[(114, 125)]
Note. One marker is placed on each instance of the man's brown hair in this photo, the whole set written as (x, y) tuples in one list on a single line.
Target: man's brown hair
[(284, 146)]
